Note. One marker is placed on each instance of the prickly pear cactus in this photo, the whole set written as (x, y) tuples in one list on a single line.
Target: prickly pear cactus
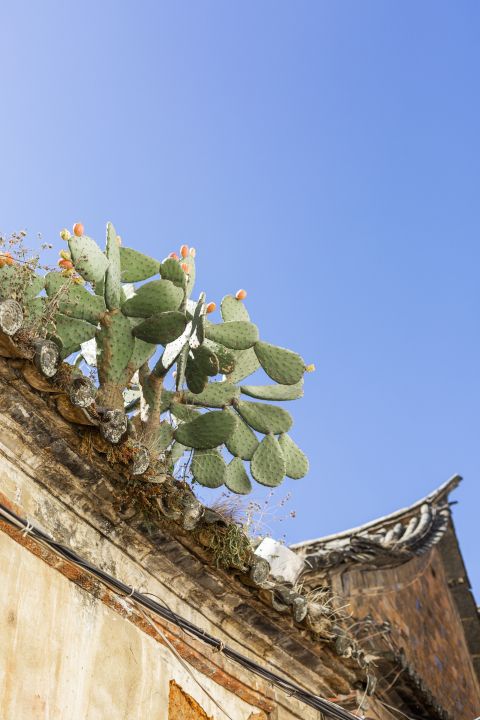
[(117, 326)]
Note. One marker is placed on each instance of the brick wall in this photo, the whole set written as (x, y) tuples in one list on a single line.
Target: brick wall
[(416, 600)]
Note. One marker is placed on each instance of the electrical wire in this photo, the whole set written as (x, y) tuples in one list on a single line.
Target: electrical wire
[(324, 706)]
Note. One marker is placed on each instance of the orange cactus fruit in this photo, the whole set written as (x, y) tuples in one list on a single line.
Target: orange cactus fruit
[(241, 295), (192, 252), (119, 240), (65, 235), (78, 280), (211, 307), (67, 264), (184, 250), (78, 229), (174, 255), (2, 262), (174, 373), (65, 255), (186, 268), (8, 257), (310, 368)]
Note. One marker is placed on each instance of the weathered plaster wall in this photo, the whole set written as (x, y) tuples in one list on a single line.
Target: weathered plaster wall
[(416, 600)]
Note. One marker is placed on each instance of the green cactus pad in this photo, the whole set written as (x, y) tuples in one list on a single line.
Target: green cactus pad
[(142, 352), (243, 442), (205, 360), (153, 297), (247, 363), (237, 480), (177, 452), (170, 269), (273, 392), (233, 309), (172, 351), (263, 417), (209, 468), (191, 277), (283, 366), (115, 345), (135, 266), (198, 323), (162, 437), (296, 460), (184, 413), (73, 332), (162, 328), (89, 260), (35, 311), (166, 401), (181, 366), (75, 300), (268, 463), (215, 395), (113, 284), (195, 378), (236, 334), (227, 359), (208, 431), (131, 399)]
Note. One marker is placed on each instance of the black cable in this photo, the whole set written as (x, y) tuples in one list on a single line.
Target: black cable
[(324, 706)]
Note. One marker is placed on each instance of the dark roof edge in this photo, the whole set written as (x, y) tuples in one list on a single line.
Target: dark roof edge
[(436, 496)]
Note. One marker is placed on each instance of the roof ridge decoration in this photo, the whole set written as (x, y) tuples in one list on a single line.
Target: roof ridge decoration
[(393, 539)]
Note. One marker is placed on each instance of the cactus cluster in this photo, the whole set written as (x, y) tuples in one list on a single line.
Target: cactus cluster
[(118, 326)]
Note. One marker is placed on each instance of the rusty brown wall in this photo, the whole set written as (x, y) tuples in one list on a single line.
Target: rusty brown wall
[(415, 599)]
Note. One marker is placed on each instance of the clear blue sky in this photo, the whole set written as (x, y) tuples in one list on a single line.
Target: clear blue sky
[(322, 155)]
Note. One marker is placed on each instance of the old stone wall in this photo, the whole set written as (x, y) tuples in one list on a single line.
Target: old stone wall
[(415, 599)]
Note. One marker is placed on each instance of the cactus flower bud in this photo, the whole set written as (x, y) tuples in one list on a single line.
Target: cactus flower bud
[(8, 258), (174, 255), (310, 368), (211, 307), (174, 373), (78, 229), (186, 268), (241, 295), (184, 250), (119, 240), (78, 280), (65, 235), (65, 254), (192, 252)]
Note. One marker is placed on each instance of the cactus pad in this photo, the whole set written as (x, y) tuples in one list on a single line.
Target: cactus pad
[(207, 431), (205, 360), (181, 367), (162, 437), (88, 259), (153, 297), (209, 468), (227, 360), (243, 442), (112, 276), (17, 277), (115, 345), (177, 452), (142, 352), (264, 418), (233, 309), (273, 392), (163, 328), (283, 366), (198, 323), (74, 300), (184, 412), (215, 395), (296, 460), (268, 463), (247, 363), (135, 266), (170, 269), (73, 332), (195, 378), (237, 480), (236, 334), (173, 350)]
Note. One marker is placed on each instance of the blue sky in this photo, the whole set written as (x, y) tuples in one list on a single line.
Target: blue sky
[(322, 155)]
